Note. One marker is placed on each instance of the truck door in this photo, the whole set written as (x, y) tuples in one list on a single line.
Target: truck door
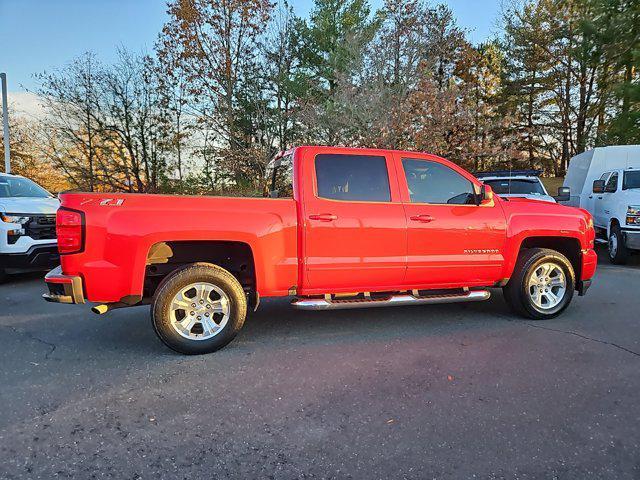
[(604, 201), (452, 241), (595, 202), (355, 232)]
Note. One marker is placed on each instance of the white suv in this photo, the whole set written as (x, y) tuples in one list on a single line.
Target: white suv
[(615, 206), (27, 226)]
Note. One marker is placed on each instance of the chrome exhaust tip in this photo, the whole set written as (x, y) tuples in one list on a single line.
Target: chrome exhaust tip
[(100, 309)]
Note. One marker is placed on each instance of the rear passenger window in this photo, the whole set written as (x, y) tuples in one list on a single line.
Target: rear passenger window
[(362, 178), (432, 182)]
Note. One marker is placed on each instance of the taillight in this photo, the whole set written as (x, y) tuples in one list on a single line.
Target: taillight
[(70, 230)]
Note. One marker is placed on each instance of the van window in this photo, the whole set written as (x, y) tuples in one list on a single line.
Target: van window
[(361, 178), (631, 180), (612, 183), (432, 182)]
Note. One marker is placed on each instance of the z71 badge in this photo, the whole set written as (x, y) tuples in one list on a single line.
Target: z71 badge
[(111, 202), (481, 251)]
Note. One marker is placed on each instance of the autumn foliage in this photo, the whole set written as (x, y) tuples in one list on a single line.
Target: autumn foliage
[(233, 81)]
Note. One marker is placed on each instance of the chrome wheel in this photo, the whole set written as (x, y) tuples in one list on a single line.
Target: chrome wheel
[(613, 245), (199, 311), (547, 286)]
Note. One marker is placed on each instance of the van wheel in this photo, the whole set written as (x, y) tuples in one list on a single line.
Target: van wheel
[(3, 275), (618, 251), (198, 309), (542, 284)]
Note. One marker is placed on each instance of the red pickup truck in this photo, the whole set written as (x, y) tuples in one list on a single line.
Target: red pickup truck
[(339, 228)]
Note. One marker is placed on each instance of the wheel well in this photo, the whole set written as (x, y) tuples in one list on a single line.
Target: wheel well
[(165, 257), (569, 247)]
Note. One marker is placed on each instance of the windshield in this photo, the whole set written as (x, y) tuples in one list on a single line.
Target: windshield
[(631, 180), (21, 187), (516, 186)]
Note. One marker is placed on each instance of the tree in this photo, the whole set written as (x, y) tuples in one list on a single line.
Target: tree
[(71, 99), (213, 43), (104, 125), (26, 156), (527, 78), (615, 27)]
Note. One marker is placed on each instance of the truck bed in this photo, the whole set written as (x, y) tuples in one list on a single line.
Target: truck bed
[(121, 229)]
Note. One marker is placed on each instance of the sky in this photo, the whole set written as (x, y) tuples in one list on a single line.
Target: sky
[(40, 35)]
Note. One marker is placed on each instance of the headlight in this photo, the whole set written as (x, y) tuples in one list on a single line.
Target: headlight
[(633, 215), (633, 210), (13, 218)]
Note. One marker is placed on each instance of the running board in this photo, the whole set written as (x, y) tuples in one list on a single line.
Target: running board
[(393, 300)]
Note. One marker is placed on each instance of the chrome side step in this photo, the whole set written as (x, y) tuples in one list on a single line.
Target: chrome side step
[(393, 300)]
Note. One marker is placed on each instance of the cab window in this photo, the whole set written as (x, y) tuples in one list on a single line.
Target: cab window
[(432, 182), (280, 178), (612, 183), (358, 178)]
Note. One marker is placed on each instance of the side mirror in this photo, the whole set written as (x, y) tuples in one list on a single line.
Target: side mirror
[(564, 194), (598, 186), (486, 195)]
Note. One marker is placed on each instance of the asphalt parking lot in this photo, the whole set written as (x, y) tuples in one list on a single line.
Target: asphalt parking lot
[(443, 391)]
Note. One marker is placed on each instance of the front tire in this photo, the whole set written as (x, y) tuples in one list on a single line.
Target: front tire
[(198, 309), (542, 284), (618, 251)]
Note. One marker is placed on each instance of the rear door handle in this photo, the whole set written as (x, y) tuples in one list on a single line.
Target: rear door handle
[(422, 218), (599, 198), (323, 217)]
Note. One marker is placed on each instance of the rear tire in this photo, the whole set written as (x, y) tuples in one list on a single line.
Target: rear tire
[(542, 284), (198, 309), (618, 251), (3, 275)]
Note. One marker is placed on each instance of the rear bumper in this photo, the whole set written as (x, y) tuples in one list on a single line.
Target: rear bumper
[(63, 288), (631, 239), (589, 264), (582, 286), (38, 257)]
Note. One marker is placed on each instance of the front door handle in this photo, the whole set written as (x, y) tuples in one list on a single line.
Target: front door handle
[(323, 217), (599, 198), (422, 218)]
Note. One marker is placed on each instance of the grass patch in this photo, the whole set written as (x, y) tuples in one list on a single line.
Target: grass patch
[(552, 184)]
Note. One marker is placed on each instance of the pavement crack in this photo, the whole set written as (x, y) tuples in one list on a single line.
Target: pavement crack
[(52, 346), (585, 337)]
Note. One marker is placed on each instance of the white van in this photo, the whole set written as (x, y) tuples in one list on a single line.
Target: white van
[(606, 182), (27, 226)]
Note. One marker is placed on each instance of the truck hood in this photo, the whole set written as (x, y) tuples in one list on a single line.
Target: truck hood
[(526, 206), (540, 198), (29, 205), (630, 197)]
